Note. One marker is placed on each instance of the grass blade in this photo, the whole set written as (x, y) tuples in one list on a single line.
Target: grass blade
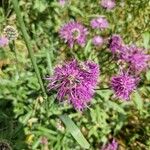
[(75, 132)]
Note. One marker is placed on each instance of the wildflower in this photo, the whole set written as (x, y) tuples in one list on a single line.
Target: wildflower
[(109, 4), (74, 32), (136, 58), (111, 146), (3, 41), (123, 85), (62, 2), (99, 23), (44, 140), (97, 41), (75, 82), (11, 33), (115, 43)]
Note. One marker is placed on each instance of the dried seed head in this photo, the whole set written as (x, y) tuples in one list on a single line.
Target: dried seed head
[(11, 33), (4, 145)]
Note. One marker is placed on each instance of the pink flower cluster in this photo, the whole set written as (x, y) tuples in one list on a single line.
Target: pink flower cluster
[(135, 60)]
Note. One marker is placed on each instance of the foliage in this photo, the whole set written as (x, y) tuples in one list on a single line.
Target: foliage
[(26, 116)]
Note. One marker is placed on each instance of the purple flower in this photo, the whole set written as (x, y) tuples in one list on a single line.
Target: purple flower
[(136, 58), (99, 23), (109, 4), (74, 32), (3, 41), (97, 40), (75, 82), (62, 2), (115, 43), (111, 146), (123, 85)]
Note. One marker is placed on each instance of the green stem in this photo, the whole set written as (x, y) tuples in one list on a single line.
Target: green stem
[(13, 49), (28, 43), (49, 62)]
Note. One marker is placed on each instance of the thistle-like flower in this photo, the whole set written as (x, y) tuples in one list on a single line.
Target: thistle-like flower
[(115, 43), (108, 4), (3, 41), (136, 58), (99, 23), (75, 82), (123, 85), (74, 32), (11, 33), (111, 146), (97, 41)]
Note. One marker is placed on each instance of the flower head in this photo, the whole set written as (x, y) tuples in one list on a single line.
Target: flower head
[(62, 2), (75, 82), (11, 33), (115, 43), (109, 4), (123, 85), (74, 32), (136, 58), (97, 40), (99, 23), (111, 146), (3, 41)]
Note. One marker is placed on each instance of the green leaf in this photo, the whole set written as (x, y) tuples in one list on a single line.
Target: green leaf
[(148, 75), (115, 106), (88, 47), (76, 10), (75, 132), (138, 101), (40, 5), (146, 39)]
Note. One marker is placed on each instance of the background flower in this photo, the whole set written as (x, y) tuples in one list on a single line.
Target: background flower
[(136, 58), (97, 40), (99, 23), (109, 4), (123, 85), (3, 41), (111, 146), (74, 32)]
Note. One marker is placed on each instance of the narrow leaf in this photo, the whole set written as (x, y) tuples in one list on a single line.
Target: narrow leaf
[(146, 39), (138, 101), (75, 132)]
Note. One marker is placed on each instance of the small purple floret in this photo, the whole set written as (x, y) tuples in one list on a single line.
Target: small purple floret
[(3, 41), (99, 23), (123, 85), (136, 58), (75, 82), (108, 4), (115, 43), (111, 146), (62, 2), (74, 32), (97, 40)]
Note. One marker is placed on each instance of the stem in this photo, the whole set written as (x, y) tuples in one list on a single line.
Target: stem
[(13, 49), (74, 54), (103, 89), (28, 43), (49, 62)]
